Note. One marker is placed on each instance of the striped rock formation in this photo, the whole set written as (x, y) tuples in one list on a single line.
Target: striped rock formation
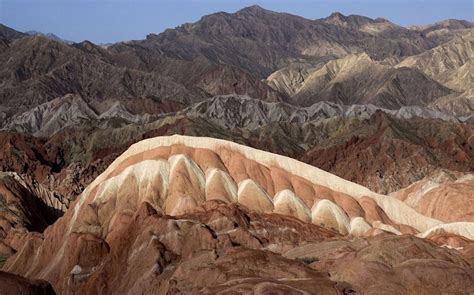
[(170, 206), (175, 174), (444, 196)]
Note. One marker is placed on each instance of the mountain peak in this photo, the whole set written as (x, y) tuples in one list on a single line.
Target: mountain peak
[(336, 15), (9, 33), (254, 9)]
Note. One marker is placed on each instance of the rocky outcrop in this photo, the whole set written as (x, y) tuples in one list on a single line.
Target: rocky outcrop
[(233, 111), (25, 206), (452, 65), (9, 34), (458, 104), (73, 112), (263, 41), (37, 70), (374, 148)]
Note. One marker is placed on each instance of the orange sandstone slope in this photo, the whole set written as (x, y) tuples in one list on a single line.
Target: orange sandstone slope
[(446, 196), (189, 214)]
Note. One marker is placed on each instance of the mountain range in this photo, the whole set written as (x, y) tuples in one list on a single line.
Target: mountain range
[(344, 59), (253, 151)]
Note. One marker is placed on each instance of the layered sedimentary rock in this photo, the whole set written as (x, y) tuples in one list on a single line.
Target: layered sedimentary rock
[(74, 113), (365, 99), (390, 265), (380, 142), (171, 198), (444, 196), (451, 64), (176, 169)]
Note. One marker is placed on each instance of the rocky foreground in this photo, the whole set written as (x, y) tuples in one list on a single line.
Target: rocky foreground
[(199, 215)]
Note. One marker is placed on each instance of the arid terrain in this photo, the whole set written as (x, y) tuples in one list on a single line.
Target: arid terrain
[(247, 152)]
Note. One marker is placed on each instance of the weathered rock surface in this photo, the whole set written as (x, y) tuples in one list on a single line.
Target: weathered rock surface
[(357, 79), (230, 111), (450, 63), (326, 135), (403, 264), (164, 217), (25, 206)]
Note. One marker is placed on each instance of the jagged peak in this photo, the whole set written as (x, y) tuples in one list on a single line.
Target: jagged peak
[(253, 8), (336, 15)]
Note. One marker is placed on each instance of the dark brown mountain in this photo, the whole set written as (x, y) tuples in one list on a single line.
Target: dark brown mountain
[(262, 41), (9, 34), (36, 70), (222, 53)]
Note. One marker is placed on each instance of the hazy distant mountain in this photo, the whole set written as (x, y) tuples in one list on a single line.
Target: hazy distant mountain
[(49, 36), (443, 27)]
